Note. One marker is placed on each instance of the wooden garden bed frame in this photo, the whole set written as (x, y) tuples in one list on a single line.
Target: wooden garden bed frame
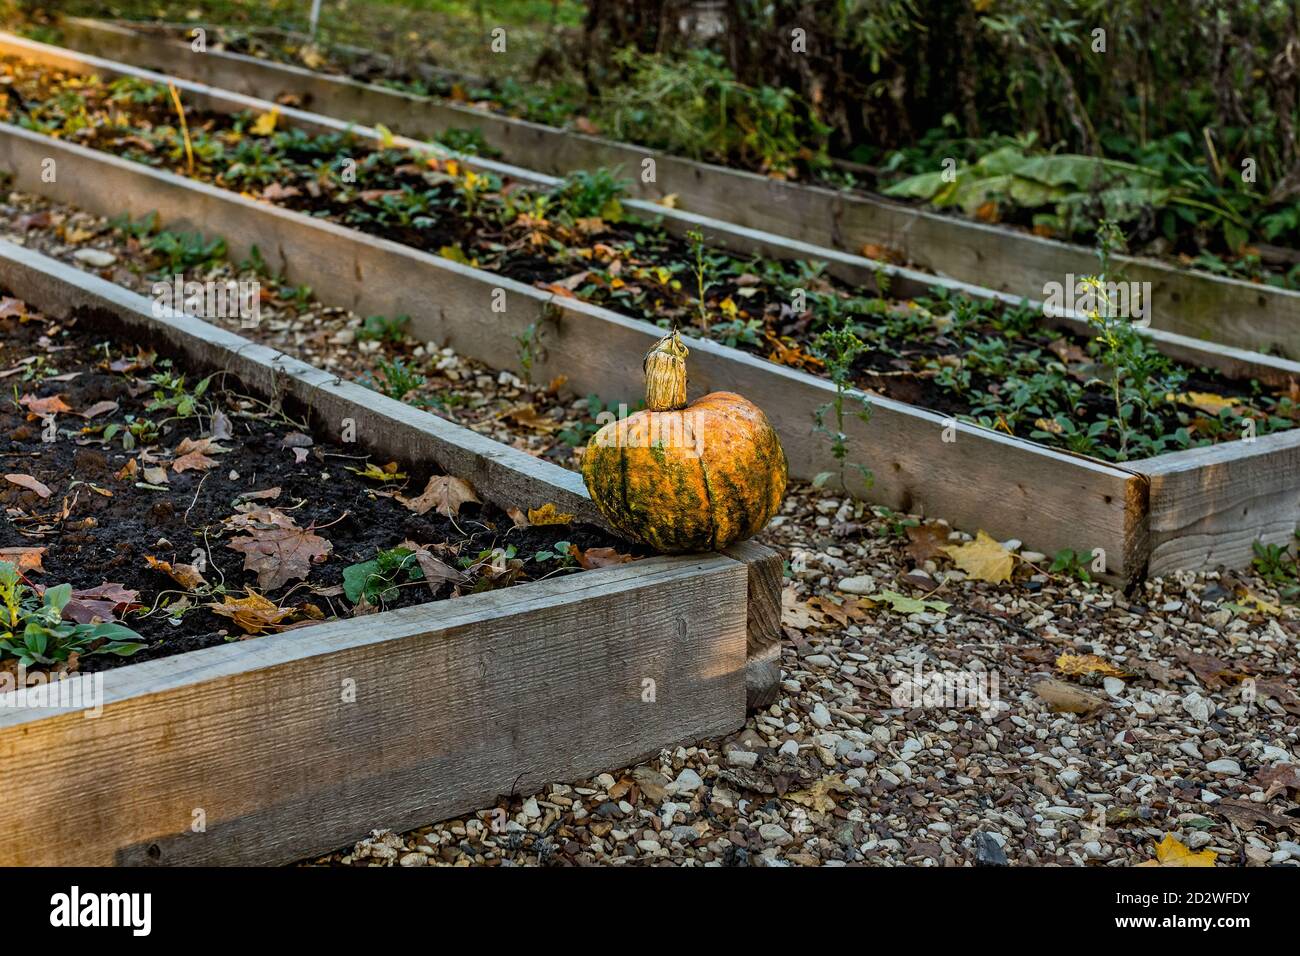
[(456, 702), (1189, 509), (1241, 314)]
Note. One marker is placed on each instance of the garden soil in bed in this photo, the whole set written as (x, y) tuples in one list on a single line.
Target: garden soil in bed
[(84, 510)]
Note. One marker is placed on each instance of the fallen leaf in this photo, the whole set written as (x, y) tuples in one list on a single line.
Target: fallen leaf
[(1205, 401), (908, 605), (25, 559), (194, 461), (1068, 699), (254, 614), (1247, 815), (265, 124), (518, 516), (219, 427), (797, 614), (156, 475), (30, 483), (820, 797), (186, 575), (983, 559), (372, 471), (1172, 852), (108, 602), (99, 408), (548, 514), (1074, 665), (275, 547), (1209, 670), (276, 191), (41, 407), (436, 571), (443, 492), (598, 557), (128, 471), (926, 541)]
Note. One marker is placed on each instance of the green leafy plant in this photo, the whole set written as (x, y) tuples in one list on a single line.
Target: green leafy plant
[(394, 379), (839, 348), (33, 631), (187, 250), (382, 328), (1072, 564), (379, 579), (1279, 565), (585, 194)]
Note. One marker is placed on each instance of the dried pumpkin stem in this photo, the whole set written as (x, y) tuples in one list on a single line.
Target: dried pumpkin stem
[(665, 374)]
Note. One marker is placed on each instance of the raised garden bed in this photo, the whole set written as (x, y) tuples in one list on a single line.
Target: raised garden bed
[(288, 744), (921, 460), (1244, 314)]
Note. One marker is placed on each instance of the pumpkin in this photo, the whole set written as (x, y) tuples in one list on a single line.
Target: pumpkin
[(679, 477)]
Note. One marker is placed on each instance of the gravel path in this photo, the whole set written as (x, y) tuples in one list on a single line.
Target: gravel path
[(1087, 725)]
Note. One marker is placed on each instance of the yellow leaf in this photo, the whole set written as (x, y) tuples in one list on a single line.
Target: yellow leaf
[(728, 306), (1204, 401), (1171, 852), (820, 796), (670, 201), (455, 254), (388, 473), (265, 124), (983, 559), (1252, 601), (253, 613), (1075, 664), (548, 514), (386, 138)]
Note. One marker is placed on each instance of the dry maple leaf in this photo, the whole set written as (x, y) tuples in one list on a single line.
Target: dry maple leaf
[(275, 547), (30, 483), (443, 492), (926, 541), (548, 514), (1172, 852), (255, 614), (983, 559)]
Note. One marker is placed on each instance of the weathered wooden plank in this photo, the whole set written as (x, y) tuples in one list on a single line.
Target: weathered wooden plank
[(1209, 505), (921, 461), (763, 643), (294, 745), (1198, 305)]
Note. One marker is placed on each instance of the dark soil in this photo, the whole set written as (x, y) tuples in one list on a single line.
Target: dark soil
[(98, 528)]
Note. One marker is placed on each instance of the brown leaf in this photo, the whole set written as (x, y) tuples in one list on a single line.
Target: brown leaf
[(186, 575), (30, 483), (1278, 779), (41, 407), (1248, 815), (1209, 670), (436, 571), (275, 547), (220, 426), (443, 492), (1068, 699), (25, 559), (276, 192), (926, 541), (598, 557), (99, 408), (194, 461), (108, 602)]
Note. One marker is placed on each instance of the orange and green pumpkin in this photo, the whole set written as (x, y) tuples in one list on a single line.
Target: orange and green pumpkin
[(679, 477)]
